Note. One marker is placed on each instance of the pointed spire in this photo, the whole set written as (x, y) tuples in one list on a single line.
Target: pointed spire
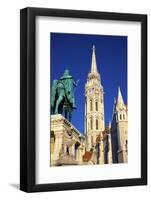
[(114, 107), (119, 98), (93, 63)]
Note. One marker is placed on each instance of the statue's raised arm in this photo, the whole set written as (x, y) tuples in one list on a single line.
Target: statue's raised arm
[(76, 83)]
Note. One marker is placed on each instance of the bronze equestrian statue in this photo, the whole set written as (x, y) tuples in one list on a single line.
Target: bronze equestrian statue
[(62, 95)]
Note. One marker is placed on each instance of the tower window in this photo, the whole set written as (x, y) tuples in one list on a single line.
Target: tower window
[(67, 150), (123, 116), (96, 106), (90, 105), (91, 123), (120, 117), (97, 124), (126, 145)]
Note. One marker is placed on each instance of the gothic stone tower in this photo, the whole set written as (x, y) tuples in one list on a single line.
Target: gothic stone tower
[(119, 129), (94, 105)]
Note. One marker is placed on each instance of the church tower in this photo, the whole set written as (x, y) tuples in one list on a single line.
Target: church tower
[(94, 104), (120, 130)]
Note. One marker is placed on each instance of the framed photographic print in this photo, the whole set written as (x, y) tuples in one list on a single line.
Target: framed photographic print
[(83, 99)]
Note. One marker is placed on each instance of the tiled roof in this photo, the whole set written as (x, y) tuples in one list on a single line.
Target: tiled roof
[(87, 156)]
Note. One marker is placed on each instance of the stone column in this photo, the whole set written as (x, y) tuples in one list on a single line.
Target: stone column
[(65, 149), (89, 145), (80, 150), (77, 154), (110, 150), (101, 159), (58, 145), (72, 150)]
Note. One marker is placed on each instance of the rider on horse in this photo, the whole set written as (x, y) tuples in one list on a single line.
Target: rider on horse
[(63, 94)]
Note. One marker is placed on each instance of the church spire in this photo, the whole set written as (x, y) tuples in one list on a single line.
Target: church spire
[(119, 98), (93, 63)]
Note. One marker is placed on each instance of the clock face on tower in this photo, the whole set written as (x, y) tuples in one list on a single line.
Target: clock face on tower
[(121, 106), (91, 92)]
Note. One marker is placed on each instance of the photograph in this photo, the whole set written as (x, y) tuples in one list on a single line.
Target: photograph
[(75, 93), (88, 99)]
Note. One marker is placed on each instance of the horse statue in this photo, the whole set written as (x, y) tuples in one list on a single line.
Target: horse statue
[(62, 95)]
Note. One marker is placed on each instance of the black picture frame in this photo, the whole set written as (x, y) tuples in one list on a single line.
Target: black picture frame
[(28, 99)]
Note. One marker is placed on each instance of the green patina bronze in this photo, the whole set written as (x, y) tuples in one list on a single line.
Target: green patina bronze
[(62, 95)]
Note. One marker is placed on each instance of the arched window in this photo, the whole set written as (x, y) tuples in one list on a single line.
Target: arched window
[(97, 124), (91, 139), (123, 116), (96, 106), (90, 105), (116, 117), (67, 150), (91, 123), (120, 117), (126, 145)]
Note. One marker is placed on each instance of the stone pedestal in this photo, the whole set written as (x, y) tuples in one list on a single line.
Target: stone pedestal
[(66, 136)]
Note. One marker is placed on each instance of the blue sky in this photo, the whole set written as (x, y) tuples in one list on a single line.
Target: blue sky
[(74, 52)]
